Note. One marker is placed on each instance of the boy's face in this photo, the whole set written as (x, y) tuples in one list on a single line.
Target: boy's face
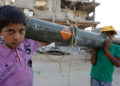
[(13, 34), (111, 34)]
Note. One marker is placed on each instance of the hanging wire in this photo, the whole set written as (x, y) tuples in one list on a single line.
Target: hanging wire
[(58, 60), (72, 42)]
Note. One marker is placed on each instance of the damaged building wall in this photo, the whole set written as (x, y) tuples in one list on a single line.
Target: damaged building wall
[(76, 16), (56, 13), (79, 0), (24, 4), (65, 12), (53, 9), (1, 2), (6, 2)]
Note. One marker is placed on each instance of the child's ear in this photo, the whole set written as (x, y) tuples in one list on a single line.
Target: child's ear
[(1, 36)]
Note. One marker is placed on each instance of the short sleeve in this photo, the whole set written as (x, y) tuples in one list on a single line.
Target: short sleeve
[(32, 44), (117, 51), (35, 46)]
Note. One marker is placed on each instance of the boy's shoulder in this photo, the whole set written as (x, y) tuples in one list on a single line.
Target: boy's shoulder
[(2, 42), (30, 41), (26, 42), (26, 45), (115, 46)]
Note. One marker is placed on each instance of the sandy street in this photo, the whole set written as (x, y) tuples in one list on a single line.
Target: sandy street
[(51, 70)]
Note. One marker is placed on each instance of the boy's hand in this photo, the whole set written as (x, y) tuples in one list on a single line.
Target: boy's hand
[(93, 50), (107, 45)]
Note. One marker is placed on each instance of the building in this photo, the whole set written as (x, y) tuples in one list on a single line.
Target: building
[(66, 12)]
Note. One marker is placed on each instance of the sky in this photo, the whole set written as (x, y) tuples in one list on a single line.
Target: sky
[(108, 13)]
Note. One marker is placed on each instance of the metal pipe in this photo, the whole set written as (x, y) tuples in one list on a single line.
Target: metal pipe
[(90, 39), (46, 31)]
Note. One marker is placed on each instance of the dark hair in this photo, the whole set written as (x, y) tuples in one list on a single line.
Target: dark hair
[(11, 14), (111, 32)]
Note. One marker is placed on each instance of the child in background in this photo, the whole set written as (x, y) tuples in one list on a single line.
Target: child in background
[(104, 60), (15, 50)]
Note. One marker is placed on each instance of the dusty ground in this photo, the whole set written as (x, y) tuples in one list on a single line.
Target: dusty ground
[(50, 70)]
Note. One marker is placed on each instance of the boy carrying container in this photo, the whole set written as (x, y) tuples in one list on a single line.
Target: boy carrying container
[(15, 50), (104, 60)]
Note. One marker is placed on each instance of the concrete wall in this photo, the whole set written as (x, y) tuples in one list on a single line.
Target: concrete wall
[(61, 16), (77, 15), (49, 15), (54, 12), (1, 2), (4, 2), (54, 5), (79, 0), (24, 3)]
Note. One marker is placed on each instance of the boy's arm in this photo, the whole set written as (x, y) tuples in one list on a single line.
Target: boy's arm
[(112, 59), (93, 57), (44, 43), (118, 58)]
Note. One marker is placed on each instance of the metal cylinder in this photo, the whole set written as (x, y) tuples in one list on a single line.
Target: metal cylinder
[(46, 31), (90, 39)]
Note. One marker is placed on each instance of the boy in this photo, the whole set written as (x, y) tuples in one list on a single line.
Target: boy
[(15, 51), (103, 60)]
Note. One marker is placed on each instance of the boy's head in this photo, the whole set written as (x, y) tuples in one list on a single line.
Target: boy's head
[(110, 31), (12, 25), (10, 14)]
